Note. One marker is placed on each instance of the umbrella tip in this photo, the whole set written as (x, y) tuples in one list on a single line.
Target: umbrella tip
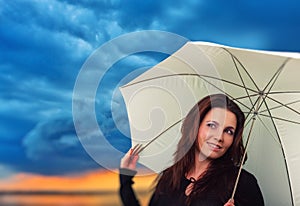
[(261, 93)]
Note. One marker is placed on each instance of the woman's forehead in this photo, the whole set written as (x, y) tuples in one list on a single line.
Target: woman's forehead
[(221, 115)]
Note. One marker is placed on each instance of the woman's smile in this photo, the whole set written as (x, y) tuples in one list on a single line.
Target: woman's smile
[(214, 147)]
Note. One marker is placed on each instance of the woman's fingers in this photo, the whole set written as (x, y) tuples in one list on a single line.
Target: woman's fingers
[(137, 149), (131, 157), (230, 202), (133, 149)]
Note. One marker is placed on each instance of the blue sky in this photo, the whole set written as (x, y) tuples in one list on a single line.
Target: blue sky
[(45, 43)]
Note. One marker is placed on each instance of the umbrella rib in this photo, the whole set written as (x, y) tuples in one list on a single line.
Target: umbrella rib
[(246, 106), (284, 92), (225, 93), (248, 122), (184, 74), (239, 73), (253, 108), (243, 97), (267, 128), (224, 80), (282, 150), (243, 68), (279, 118), (197, 75), (250, 109), (152, 140), (282, 105), (285, 105), (253, 105), (275, 76)]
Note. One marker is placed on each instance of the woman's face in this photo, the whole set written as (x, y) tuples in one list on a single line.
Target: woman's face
[(216, 133)]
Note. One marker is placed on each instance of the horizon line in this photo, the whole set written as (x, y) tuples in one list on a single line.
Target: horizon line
[(63, 192)]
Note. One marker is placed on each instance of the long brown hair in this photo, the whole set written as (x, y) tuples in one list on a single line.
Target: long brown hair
[(220, 175)]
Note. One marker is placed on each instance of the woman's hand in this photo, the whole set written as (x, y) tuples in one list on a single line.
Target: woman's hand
[(131, 157), (229, 203)]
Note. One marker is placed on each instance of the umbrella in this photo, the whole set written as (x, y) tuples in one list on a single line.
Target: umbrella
[(264, 84)]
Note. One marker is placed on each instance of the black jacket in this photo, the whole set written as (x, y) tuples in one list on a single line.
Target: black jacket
[(247, 193)]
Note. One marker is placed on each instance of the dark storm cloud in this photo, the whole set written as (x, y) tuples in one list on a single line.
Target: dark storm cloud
[(264, 25), (55, 148), (45, 43)]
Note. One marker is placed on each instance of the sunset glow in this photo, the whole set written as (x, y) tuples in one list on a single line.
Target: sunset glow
[(92, 181)]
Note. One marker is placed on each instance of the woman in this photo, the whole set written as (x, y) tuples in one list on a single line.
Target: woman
[(206, 173)]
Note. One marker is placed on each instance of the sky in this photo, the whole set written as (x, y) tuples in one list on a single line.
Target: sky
[(45, 44)]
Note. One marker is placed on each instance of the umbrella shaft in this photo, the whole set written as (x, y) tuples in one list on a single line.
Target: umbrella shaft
[(242, 160), (246, 147)]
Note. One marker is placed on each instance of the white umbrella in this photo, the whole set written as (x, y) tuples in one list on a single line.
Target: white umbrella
[(264, 84)]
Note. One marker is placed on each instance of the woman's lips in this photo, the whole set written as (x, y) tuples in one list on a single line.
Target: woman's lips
[(214, 147)]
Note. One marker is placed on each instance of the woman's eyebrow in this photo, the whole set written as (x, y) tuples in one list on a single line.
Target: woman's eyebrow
[(213, 121), (230, 127)]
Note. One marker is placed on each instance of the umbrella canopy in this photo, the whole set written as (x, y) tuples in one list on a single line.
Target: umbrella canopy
[(264, 84)]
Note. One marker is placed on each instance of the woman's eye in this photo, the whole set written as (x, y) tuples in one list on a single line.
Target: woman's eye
[(211, 125), (229, 131)]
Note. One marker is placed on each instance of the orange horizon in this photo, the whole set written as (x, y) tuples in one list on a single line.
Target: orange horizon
[(91, 181)]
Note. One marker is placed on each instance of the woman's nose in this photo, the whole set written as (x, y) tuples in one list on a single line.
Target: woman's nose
[(218, 136)]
